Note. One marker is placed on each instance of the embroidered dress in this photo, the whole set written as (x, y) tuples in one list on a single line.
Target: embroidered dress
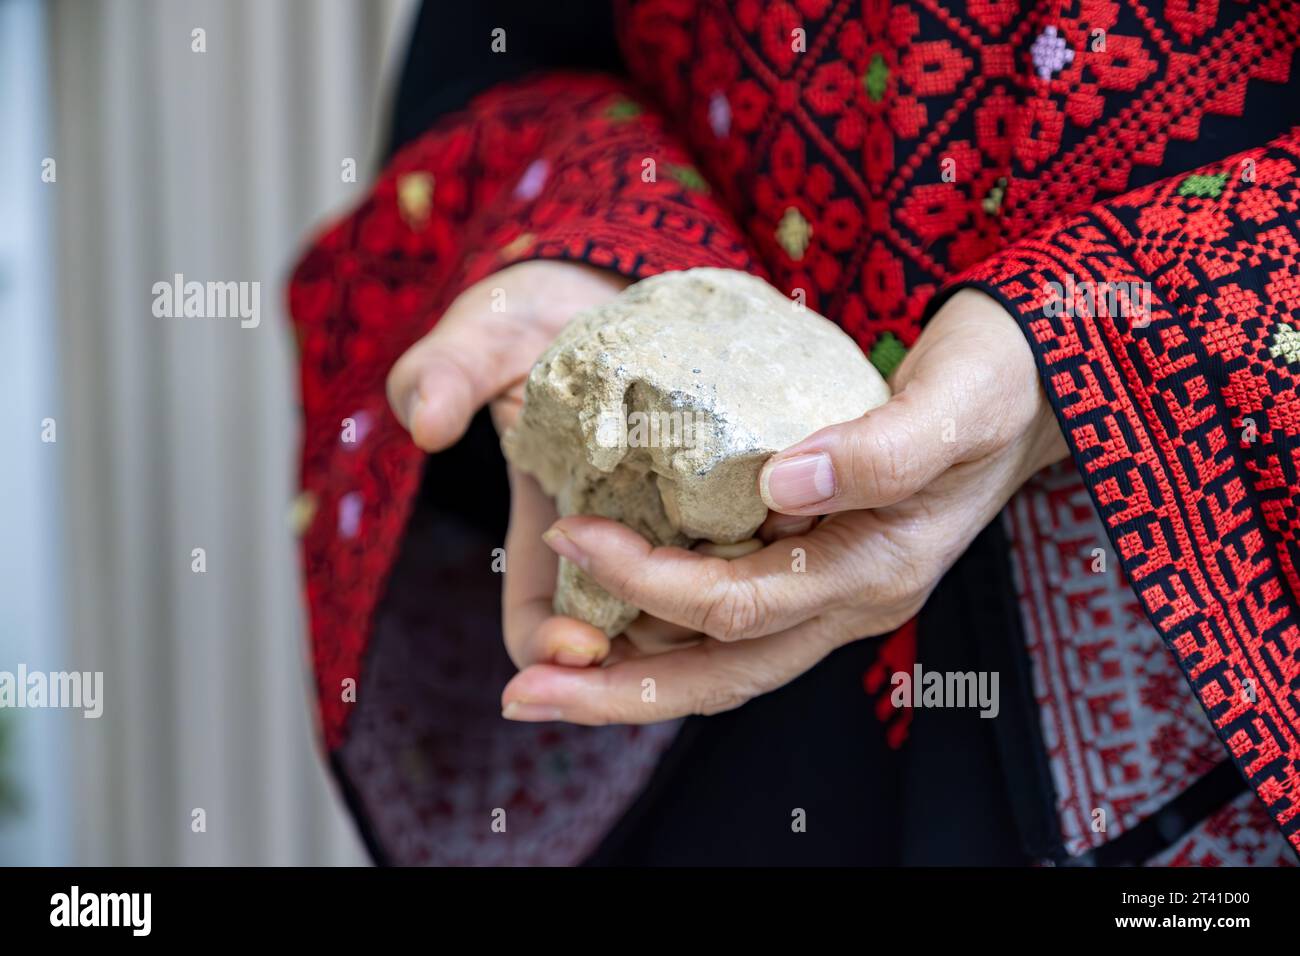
[(873, 157)]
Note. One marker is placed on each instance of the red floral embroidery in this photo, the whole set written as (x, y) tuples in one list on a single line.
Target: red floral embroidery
[(834, 161)]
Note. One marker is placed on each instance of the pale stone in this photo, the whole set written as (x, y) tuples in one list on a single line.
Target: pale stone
[(659, 408)]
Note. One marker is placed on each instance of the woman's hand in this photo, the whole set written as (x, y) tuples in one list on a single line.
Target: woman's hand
[(480, 353), (907, 487), (485, 344)]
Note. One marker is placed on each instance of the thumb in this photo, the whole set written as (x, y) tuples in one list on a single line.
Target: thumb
[(477, 352), (441, 381), (885, 456)]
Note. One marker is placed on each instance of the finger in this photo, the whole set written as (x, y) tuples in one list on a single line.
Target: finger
[(887, 455), (471, 356), (507, 408), (728, 551), (705, 679), (778, 526), (761, 593), (486, 342), (651, 635), (620, 649), (532, 631), (435, 388), (565, 641)]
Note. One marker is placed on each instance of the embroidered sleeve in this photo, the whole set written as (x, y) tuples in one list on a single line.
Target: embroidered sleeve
[(560, 166), (1166, 326)]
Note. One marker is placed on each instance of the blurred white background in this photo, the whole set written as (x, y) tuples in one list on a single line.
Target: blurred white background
[(172, 434)]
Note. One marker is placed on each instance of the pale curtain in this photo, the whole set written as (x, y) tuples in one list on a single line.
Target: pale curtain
[(179, 434)]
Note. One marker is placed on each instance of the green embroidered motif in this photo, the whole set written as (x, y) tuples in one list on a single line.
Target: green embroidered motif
[(1203, 186), (876, 79), (887, 354), (992, 203), (622, 109), (689, 177), (1286, 343)]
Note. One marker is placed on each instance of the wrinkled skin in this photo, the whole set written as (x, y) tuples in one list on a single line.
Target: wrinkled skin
[(865, 517)]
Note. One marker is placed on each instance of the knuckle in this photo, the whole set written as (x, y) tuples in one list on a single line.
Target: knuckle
[(976, 375), (732, 612), (622, 579), (908, 574), (717, 700), (879, 464), (894, 587)]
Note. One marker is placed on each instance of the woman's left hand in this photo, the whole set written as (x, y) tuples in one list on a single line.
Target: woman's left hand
[(907, 487)]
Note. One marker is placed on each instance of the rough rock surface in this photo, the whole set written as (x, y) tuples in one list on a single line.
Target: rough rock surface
[(659, 408)]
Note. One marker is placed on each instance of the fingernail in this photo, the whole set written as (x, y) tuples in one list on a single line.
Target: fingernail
[(565, 547), (800, 481), (532, 713), (571, 656)]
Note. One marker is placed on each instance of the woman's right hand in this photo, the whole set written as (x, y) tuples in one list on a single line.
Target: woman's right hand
[(485, 344), (480, 353)]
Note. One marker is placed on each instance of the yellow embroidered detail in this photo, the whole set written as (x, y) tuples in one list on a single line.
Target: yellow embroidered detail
[(518, 245), (301, 512), (415, 198), (794, 233)]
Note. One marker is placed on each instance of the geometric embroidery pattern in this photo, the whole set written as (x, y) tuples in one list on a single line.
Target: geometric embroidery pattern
[(1238, 835), (896, 149), (1122, 731), (1187, 431)]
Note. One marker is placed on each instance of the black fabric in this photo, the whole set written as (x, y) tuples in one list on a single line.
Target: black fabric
[(727, 790), (450, 58), (975, 792), (1171, 822), (471, 473), (988, 593), (979, 792), (356, 807)]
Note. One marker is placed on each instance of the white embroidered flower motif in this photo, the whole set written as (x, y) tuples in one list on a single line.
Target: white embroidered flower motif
[(1286, 344), (351, 507), (719, 115), (531, 182), (1050, 54)]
